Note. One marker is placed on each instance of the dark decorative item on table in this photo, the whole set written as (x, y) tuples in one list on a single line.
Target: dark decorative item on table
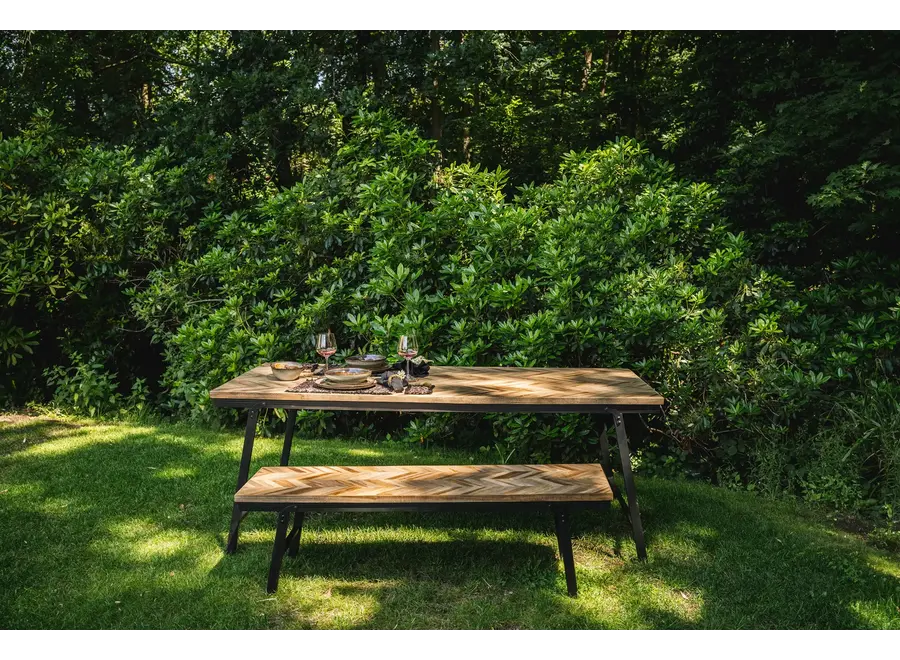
[(418, 366), (396, 381)]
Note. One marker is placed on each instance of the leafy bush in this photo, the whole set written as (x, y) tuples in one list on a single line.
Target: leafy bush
[(88, 388), (860, 448), (79, 226), (772, 384), (615, 263)]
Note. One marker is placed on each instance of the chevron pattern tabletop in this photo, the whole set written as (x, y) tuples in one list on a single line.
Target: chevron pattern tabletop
[(461, 389), (427, 483)]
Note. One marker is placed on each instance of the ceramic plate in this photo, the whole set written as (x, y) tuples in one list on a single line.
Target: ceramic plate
[(345, 387)]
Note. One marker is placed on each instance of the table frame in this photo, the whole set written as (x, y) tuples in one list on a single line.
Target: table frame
[(255, 406)]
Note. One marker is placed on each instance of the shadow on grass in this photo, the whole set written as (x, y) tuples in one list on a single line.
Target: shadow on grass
[(128, 531), (21, 432)]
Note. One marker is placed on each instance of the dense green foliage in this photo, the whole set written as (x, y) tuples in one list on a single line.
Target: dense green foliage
[(715, 211)]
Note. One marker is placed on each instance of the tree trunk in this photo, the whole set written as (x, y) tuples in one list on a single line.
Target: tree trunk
[(437, 115), (634, 92), (467, 110), (641, 67), (284, 177), (379, 66), (611, 37), (588, 60), (466, 141), (79, 87), (363, 41)]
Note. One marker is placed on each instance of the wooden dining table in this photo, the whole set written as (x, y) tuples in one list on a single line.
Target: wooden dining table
[(613, 393)]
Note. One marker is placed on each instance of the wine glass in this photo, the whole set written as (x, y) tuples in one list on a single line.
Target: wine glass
[(326, 346), (408, 347)]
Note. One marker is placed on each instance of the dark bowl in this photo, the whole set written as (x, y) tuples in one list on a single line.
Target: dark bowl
[(371, 361)]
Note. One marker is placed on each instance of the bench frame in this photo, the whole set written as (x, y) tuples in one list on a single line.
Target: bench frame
[(629, 508), (288, 542)]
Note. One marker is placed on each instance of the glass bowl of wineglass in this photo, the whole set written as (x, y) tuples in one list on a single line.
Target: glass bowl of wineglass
[(408, 347), (326, 345)]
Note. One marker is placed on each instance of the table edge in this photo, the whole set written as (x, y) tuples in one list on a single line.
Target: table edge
[(650, 401), (406, 405), (605, 496)]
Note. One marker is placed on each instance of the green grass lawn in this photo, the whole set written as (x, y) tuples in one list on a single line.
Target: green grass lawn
[(117, 525)]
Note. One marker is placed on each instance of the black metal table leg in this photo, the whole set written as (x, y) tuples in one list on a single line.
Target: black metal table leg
[(606, 462), (288, 437), (564, 540), (634, 513), (278, 550), (293, 540), (604, 452), (243, 473)]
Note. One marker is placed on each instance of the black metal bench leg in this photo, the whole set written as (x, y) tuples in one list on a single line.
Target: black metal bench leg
[(634, 514), (288, 437), (293, 540), (243, 473), (564, 540), (278, 550)]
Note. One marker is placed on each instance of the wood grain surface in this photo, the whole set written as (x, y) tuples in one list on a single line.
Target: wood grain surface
[(464, 389), (426, 484)]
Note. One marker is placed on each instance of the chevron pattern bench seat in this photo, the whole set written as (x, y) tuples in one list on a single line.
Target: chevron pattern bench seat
[(421, 487)]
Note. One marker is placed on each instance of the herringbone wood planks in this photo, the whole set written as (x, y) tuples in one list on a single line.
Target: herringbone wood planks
[(427, 483), (467, 389)]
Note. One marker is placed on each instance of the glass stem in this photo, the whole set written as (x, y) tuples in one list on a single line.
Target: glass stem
[(407, 370)]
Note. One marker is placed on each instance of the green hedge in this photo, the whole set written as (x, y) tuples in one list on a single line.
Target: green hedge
[(615, 263)]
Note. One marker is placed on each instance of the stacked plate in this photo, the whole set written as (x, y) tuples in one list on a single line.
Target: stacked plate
[(347, 378), (370, 361)]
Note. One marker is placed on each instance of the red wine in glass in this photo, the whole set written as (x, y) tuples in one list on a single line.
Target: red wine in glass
[(326, 346), (408, 347)]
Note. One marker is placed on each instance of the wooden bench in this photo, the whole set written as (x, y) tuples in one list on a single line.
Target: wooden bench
[(558, 487)]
